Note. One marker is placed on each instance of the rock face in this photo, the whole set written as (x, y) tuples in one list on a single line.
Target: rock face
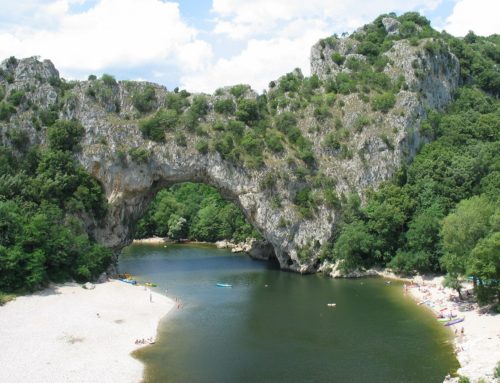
[(112, 133)]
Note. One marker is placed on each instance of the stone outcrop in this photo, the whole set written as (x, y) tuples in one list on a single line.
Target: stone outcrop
[(112, 132)]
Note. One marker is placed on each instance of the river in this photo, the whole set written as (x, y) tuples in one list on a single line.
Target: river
[(275, 326)]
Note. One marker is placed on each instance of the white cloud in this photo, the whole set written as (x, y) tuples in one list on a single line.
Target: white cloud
[(277, 35), (241, 18), (260, 62), (113, 33), (480, 16)]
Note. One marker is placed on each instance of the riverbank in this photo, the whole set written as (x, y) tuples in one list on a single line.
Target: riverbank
[(477, 338), (69, 334)]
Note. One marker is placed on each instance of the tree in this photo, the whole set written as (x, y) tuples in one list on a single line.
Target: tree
[(485, 265), (462, 230), (177, 227), (65, 134), (353, 247)]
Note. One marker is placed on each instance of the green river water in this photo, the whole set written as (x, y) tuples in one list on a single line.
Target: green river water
[(283, 332)]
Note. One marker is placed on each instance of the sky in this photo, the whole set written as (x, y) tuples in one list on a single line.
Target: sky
[(201, 45)]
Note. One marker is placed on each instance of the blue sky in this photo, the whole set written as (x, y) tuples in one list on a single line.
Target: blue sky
[(201, 45)]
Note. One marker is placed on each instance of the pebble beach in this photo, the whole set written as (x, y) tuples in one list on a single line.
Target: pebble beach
[(70, 334)]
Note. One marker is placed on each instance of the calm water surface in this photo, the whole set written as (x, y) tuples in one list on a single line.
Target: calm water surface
[(283, 332)]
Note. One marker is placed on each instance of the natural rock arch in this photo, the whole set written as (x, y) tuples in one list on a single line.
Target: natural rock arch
[(132, 168)]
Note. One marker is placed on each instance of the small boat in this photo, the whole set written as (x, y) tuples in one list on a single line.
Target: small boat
[(454, 321), (331, 304), (128, 280), (150, 284), (446, 318), (223, 285)]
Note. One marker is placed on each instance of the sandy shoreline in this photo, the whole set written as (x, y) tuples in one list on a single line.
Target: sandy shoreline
[(478, 348), (70, 334)]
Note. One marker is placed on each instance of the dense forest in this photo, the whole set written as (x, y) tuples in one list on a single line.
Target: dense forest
[(439, 214), (196, 212), (43, 192)]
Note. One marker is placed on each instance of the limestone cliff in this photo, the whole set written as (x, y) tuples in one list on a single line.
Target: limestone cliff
[(354, 145)]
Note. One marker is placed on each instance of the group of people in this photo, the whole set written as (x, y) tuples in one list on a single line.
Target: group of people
[(145, 341)]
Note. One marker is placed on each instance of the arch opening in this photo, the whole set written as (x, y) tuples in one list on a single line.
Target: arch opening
[(186, 211)]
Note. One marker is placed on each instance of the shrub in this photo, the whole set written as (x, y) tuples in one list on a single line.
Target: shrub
[(331, 141), (345, 83), (251, 143), (199, 106), (15, 97), (48, 116), (337, 58), (92, 77), (108, 80), (202, 147), (144, 101), (239, 90), (247, 111), (224, 145), (65, 134), (383, 102), (18, 137), (273, 142), (2, 92), (139, 155), (235, 127), (321, 113), (6, 110), (290, 82), (368, 49), (176, 101), (154, 128), (224, 106), (361, 122), (303, 199)]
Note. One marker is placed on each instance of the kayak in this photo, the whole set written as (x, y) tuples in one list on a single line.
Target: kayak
[(446, 319), (150, 284), (223, 285), (454, 321), (331, 304), (131, 281)]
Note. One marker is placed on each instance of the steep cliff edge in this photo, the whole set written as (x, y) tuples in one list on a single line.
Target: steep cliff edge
[(287, 158)]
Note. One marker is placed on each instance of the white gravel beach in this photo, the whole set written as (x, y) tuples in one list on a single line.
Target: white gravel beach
[(69, 334)]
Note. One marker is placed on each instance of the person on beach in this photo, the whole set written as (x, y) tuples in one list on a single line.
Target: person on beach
[(150, 297)]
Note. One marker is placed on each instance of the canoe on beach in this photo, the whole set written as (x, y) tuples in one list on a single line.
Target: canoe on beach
[(446, 318), (454, 321), (131, 281)]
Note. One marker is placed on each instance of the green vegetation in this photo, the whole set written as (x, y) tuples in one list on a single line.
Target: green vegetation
[(64, 134), (383, 102), (196, 212), (43, 192), (15, 97), (441, 213), (6, 110), (144, 100)]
